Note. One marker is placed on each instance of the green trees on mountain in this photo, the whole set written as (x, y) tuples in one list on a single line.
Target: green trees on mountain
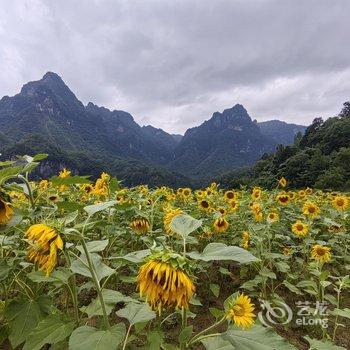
[(320, 158)]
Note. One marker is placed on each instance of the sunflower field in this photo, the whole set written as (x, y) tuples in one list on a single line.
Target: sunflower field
[(95, 265)]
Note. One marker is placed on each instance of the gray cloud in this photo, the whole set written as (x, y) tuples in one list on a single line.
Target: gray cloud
[(173, 63)]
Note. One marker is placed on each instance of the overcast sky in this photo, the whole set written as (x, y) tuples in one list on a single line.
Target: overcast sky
[(173, 63)]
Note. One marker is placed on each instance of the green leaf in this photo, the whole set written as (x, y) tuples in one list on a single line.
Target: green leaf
[(40, 156), (136, 313), (111, 298), (90, 338), (185, 334), (23, 316), (256, 338), (215, 288), (94, 246), (95, 208), (217, 343), (292, 288), (58, 181), (343, 313), (101, 269), (60, 275), (8, 172), (154, 340), (220, 251), (320, 345), (50, 330), (135, 257), (217, 313), (183, 225)]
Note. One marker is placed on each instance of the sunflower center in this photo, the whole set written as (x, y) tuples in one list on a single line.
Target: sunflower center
[(312, 210), (300, 227), (340, 202), (320, 251), (238, 310)]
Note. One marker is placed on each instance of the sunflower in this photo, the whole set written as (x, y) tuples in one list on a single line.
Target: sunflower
[(168, 218), (53, 198), (87, 188), (230, 195), (257, 211), (44, 242), (221, 225), (272, 217), (186, 193), (300, 229), (311, 209), (256, 194), (283, 198), (309, 191), (340, 203), (282, 182), (44, 184), (140, 225), (241, 312), (287, 251), (233, 205), (204, 205), (222, 211), (6, 212), (164, 280), (63, 174), (321, 253), (245, 240), (101, 188), (301, 193)]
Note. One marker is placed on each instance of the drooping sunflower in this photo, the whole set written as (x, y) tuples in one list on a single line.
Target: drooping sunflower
[(311, 209), (283, 198), (233, 205), (63, 174), (241, 312), (245, 240), (168, 218), (282, 182), (272, 217), (340, 203), (287, 251), (321, 253), (44, 184), (165, 281), (257, 211), (44, 242), (256, 193), (220, 225), (222, 211), (6, 212), (140, 225), (300, 229), (101, 187)]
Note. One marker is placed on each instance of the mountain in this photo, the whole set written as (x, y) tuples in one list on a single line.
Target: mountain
[(46, 116), (281, 132), (228, 140), (318, 159)]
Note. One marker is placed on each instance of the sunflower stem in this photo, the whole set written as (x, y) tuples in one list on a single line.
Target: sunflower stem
[(126, 337), (96, 282), (200, 334), (29, 189)]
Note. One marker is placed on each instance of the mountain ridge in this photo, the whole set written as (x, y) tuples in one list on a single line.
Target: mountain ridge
[(47, 107)]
